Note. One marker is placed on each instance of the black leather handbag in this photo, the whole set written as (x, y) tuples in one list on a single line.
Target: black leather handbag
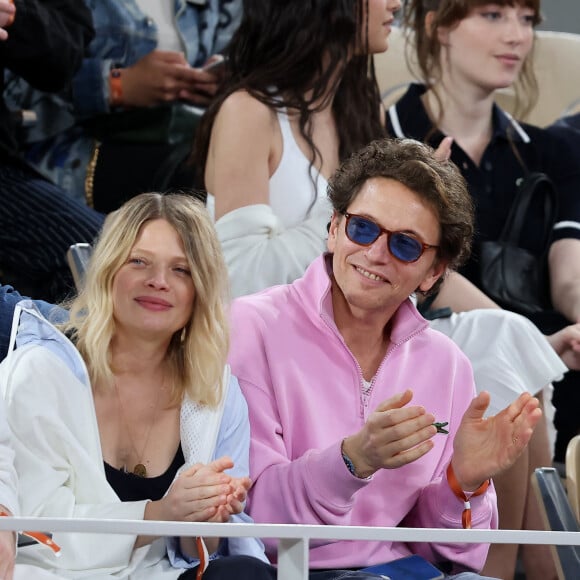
[(515, 277)]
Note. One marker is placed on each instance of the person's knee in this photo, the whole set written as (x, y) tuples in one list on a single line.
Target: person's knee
[(496, 316), (239, 567)]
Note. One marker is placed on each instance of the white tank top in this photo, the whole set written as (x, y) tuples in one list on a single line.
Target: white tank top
[(292, 192)]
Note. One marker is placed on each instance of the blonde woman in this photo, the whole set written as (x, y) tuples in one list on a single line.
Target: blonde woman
[(142, 420)]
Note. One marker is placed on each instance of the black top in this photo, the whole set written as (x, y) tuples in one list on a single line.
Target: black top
[(130, 487), (570, 122), (493, 183), (45, 46)]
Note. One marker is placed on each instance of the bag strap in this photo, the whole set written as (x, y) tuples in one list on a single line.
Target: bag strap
[(533, 184)]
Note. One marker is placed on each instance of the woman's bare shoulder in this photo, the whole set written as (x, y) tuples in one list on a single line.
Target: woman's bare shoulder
[(245, 108)]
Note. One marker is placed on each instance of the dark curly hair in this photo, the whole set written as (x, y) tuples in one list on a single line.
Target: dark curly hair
[(414, 165)]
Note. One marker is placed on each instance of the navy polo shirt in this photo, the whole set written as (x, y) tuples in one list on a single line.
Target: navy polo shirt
[(569, 122), (493, 184)]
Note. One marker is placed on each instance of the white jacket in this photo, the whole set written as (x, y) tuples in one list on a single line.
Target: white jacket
[(260, 252), (8, 480), (51, 412)]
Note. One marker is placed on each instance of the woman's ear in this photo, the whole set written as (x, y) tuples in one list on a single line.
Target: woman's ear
[(430, 29)]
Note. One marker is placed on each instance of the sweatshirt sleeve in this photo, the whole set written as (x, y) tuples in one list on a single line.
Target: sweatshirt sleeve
[(260, 252), (315, 488), (438, 507), (47, 41), (59, 460)]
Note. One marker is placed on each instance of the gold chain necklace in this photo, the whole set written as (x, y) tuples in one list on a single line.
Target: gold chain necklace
[(140, 470)]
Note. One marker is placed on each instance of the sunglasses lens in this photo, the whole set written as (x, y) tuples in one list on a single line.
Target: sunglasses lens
[(362, 231), (404, 247)]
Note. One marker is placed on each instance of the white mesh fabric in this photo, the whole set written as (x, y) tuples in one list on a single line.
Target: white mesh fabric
[(194, 432), (199, 426)]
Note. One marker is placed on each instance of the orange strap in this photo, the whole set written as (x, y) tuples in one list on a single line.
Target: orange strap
[(12, 16), (40, 537), (44, 539), (202, 555), (460, 494), (116, 87)]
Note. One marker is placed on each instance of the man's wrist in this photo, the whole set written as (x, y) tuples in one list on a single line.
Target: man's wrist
[(460, 494), (115, 87), (465, 486), (348, 462)]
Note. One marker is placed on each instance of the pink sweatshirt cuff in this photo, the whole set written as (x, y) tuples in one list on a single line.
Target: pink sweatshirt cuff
[(330, 477)]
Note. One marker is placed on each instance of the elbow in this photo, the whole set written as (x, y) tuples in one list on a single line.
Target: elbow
[(566, 300)]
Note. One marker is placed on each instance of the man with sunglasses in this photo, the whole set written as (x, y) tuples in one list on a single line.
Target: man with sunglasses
[(348, 388)]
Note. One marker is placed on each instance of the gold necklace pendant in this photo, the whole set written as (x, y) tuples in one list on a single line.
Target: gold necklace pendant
[(140, 470)]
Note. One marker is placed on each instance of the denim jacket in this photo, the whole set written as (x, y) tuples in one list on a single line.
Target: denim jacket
[(125, 34), (56, 144)]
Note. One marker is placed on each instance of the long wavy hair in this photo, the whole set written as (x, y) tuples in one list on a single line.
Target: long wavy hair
[(197, 353), (285, 50), (424, 47)]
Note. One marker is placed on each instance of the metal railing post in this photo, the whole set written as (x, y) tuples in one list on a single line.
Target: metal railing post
[(293, 559)]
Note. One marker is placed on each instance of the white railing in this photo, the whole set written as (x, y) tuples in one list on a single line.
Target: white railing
[(293, 539)]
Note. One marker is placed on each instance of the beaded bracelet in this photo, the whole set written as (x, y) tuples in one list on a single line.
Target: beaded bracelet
[(460, 494)]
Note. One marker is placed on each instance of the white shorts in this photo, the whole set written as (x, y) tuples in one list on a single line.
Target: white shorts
[(508, 353)]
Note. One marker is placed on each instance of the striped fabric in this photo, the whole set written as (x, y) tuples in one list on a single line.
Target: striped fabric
[(38, 223)]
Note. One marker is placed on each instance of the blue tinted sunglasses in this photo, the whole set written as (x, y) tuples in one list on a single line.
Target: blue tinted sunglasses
[(364, 231)]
